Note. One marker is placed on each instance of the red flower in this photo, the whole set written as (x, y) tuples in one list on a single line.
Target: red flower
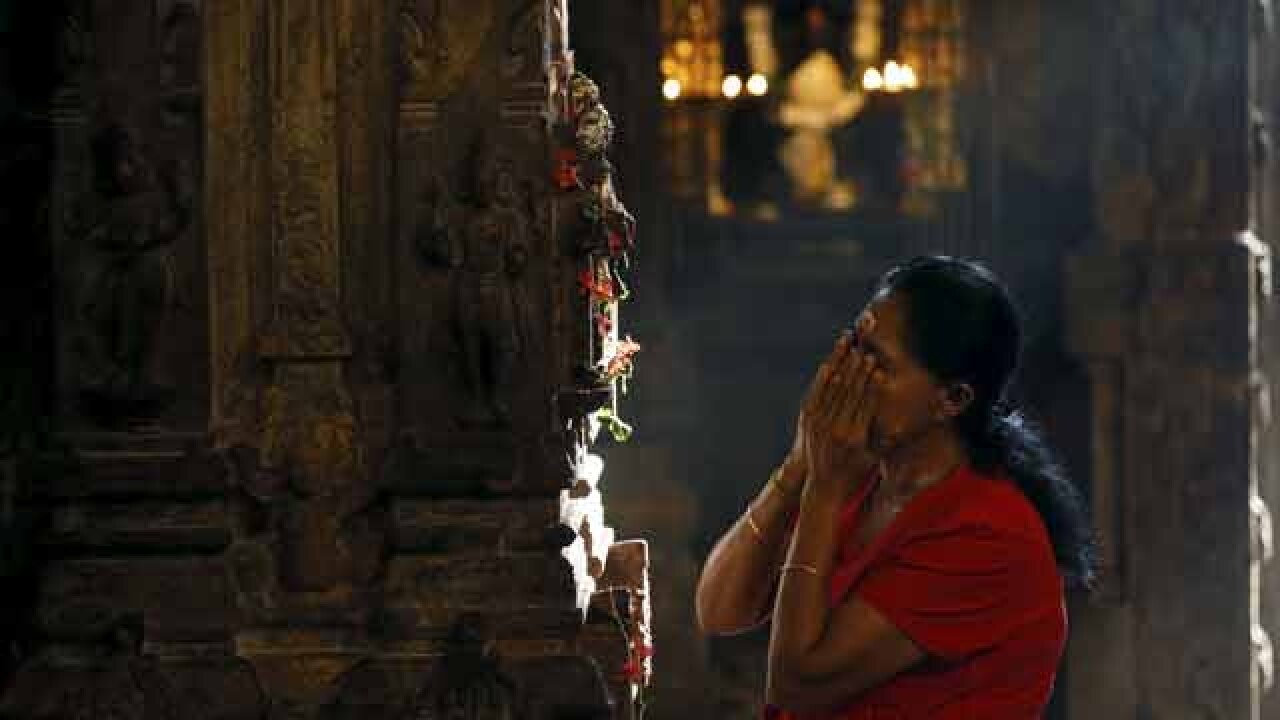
[(591, 282), (566, 173), (587, 281)]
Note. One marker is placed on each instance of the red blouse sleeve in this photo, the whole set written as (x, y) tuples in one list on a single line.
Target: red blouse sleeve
[(953, 591)]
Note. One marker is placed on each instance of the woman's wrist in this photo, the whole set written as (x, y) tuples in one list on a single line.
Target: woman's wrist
[(820, 490), (788, 480)]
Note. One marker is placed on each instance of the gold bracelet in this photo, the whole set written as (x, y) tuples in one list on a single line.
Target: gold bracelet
[(751, 523), (799, 566), (773, 480)]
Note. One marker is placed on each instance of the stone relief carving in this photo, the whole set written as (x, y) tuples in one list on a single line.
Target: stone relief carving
[(126, 288), (125, 218), (75, 44), (308, 523), (420, 46), (116, 680), (526, 41), (484, 243), (308, 520), (470, 682), (111, 693), (180, 37), (432, 67)]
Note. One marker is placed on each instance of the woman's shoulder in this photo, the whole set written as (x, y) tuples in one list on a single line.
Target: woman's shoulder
[(990, 503)]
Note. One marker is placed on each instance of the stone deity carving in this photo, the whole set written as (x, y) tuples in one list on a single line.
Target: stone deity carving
[(126, 285), (470, 684), (487, 253)]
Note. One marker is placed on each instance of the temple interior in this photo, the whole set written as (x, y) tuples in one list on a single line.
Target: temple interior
[(406, 358)]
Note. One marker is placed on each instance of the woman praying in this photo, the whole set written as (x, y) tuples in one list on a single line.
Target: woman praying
[(911, 551)]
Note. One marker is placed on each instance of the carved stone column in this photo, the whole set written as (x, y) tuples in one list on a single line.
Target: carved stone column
[(1160, 307), (133, 610), (334, 405)]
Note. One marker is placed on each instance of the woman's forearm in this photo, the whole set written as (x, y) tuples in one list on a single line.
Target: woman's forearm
[(801, 612), (735, 590)]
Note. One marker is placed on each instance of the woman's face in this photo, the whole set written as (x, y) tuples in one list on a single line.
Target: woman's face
[(909, 403)]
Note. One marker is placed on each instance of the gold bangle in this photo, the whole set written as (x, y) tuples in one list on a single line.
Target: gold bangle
[(799, 566), (773, 480), (751, 523)]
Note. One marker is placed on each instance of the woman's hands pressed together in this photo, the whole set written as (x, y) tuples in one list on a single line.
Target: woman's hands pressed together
[(836, 420)]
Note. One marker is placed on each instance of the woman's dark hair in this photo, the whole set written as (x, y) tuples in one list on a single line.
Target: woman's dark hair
[(963, 327)]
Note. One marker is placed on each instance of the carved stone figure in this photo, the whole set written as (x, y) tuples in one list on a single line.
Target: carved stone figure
[(307, 519), (470, 684), (126, 288), (180, 44), (75, 45), (180, 52), (438, 41), (420, 46), (526, 42), (487, 255)]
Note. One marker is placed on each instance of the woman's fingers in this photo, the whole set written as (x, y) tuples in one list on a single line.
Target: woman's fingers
[(861, 386), (837, 372), (838, 392), (860, 424), (846, 376), (823, 376), (818, 388), (856, 400), (817, 385)]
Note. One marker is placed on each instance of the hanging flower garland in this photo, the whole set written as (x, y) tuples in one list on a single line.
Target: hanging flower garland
[(581, 166)]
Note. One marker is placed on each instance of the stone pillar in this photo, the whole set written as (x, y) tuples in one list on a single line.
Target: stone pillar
[(1160, 307), (362, 486)]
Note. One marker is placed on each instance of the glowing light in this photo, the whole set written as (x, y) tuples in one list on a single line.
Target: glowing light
[(872, 80), (732, 86), (892, 76), (895, 78), (671, 88), (757, 84), (909, 79)]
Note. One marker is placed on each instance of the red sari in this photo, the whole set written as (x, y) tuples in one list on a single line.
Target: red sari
[(965, 570)]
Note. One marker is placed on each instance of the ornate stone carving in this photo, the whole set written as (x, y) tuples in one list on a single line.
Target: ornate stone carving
[(75, 43), (470, 682), (127, 278), (306, 318), (439, 40), (526, 42), (309, 520), (486, 255), (478, 466), (110, 691), (309, 537), (121, 675), (125, 218), (257, 588), (180, 69)]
